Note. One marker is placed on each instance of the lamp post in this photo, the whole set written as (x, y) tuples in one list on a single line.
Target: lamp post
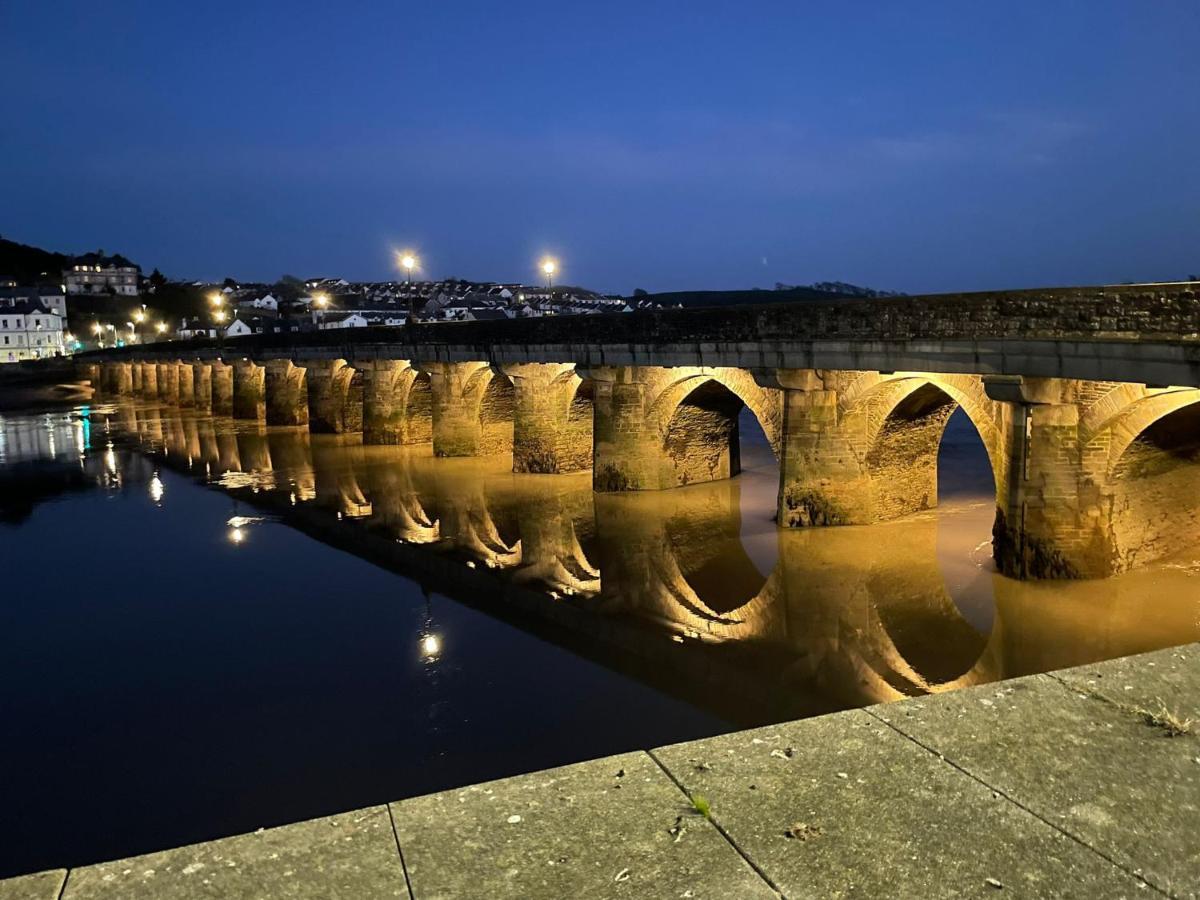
[(408, 262), (549, 266), (219, 319), (161, 327)]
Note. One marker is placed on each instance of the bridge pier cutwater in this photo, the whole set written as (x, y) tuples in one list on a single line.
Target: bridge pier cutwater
[(249, 390), (1093, 437)]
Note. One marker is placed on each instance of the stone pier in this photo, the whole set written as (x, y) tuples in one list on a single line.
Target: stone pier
[(552, 422), (187, 385), (286, 393), (473, 409), (249, 399), (397, 403), (335, 397), (202, 387)]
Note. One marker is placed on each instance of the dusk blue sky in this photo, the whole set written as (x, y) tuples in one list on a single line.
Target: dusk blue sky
[(907, 146)]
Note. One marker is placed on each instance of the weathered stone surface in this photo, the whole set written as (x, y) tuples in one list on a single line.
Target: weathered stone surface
[(598, 829), (351, 856), (1169, 676), (844, 806), (40, 886), (1095, 769)]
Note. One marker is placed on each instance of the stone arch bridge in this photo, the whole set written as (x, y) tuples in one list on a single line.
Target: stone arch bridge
[(1086, 399)]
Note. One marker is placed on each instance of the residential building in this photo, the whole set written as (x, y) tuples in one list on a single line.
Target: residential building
[(343, 320), (95, 273), (29, 329)]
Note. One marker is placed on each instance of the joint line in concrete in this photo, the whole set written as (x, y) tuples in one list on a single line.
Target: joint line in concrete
[(400, 852), (720, 830), (1017, 803)]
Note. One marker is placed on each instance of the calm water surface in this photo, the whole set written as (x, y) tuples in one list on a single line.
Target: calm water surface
[(207, 627)]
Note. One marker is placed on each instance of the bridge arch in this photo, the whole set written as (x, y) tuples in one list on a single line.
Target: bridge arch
[(497, 410), (1143, 461), (413, 398), (696, 417), (897, 422)]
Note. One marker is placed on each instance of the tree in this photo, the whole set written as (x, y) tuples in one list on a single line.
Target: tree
[(157, 279), (638, 292)]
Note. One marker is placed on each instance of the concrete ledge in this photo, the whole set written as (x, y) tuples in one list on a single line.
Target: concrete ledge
[(1072, 784)]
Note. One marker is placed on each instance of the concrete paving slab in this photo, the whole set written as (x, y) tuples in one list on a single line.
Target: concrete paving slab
[(1098, 771), (844, 806), (600, 829), (1171, 676), (39, 886), (346, 856)]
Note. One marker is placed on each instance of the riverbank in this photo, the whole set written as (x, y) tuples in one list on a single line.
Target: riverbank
[(36, 384), (1073, 783)]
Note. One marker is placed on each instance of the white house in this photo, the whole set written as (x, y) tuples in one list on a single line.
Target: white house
[(237, 328), (29, 330), (349, 320), (267, 302)]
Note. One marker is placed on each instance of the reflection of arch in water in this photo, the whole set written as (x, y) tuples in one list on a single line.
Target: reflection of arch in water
[(253, 449), (697, 417), (398, 510), (865, 616), (468, 529), (553, 556)]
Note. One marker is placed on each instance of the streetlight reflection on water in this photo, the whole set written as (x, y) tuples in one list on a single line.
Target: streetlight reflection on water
[(156, 490), (431, 647)]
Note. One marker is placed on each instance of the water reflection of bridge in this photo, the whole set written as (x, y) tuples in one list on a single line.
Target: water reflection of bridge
[(857, 614)]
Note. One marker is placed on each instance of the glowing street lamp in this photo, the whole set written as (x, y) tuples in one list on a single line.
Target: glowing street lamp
[(408, 261), (161, 327), (549, 267), (215, 298)]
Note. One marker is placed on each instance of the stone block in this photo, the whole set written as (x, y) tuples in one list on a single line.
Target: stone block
[(844, 806), (351, 856), (1096, 769), (599, 829)]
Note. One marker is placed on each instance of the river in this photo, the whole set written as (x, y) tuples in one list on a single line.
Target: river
[(210, 626)]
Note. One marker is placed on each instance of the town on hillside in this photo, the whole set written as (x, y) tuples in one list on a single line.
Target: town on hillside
[(52, 304)]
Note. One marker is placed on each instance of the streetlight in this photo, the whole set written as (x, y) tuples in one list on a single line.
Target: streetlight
[(219, 318), (215, 298), (160, 327), (549, 266)]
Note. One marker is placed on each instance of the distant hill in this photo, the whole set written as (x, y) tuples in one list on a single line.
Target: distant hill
[(30, 265), (781, 294)]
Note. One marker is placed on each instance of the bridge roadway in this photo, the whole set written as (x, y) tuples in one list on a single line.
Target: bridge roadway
[(1086, 399), (1070, 784)]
